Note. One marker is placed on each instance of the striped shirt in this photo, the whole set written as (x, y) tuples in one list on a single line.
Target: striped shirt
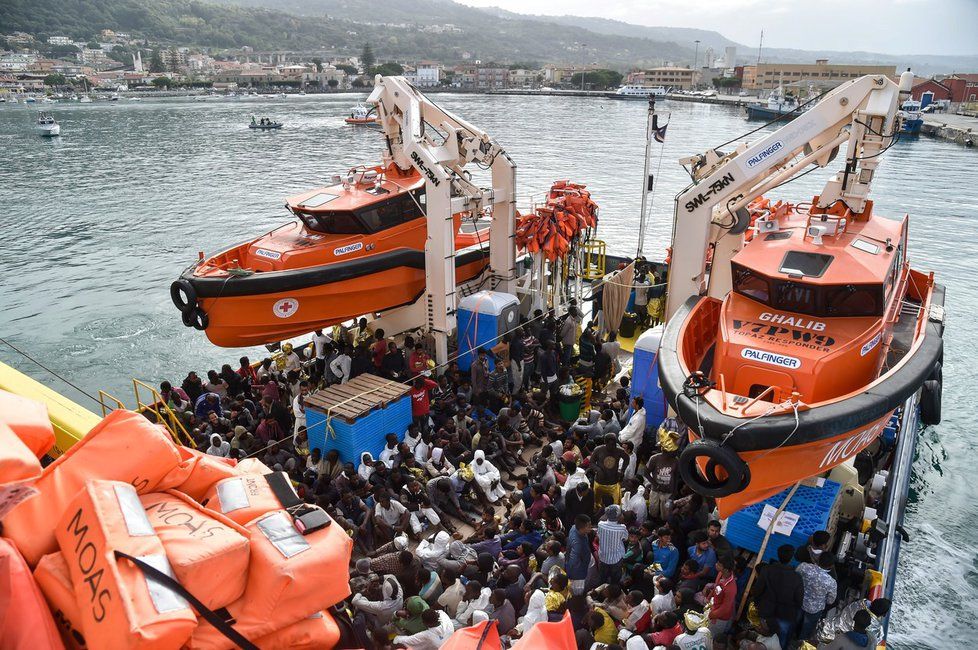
[(611, 542)]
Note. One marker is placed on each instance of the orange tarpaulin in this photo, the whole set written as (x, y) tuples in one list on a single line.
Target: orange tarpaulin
[(481, 636), (552, 636)]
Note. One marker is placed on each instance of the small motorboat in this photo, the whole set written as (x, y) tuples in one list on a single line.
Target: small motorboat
[(911, 117), (47, 126), (826, 332), (778, 105), (264, 124), (362, 115), (358, 248)]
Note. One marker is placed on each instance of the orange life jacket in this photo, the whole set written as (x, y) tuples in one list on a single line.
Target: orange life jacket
[(29, 420), (124, 446), (53, 578), (290, 576), (318, 632), (25, 620), (198, 472), (19, 470), (208, 552), (118, 606), (241, 498)]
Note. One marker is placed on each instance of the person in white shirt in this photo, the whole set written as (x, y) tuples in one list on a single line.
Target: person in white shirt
[(699, 640), (638, 607), (319, 342), (340, 366), (476, 599), (380, 604), (298, 407), (631, 641), (634, 430), (292, 360), (440, 628), (663, 600)]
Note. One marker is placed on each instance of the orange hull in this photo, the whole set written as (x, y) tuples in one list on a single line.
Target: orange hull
[(774, 470), (238, 321)]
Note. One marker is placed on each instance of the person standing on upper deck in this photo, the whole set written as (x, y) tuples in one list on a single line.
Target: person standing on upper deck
[(608, 461)]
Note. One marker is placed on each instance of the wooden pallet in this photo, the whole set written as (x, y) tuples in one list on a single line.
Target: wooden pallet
[(356, 398)]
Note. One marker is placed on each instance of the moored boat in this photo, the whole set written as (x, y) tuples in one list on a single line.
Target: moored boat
[(778, 105), (635, 91), (912, 117), (358, 248)]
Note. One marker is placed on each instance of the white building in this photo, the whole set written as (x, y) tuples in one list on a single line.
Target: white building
[(59, 40), (428, 74)]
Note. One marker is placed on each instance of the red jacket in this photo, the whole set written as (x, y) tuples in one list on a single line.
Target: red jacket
[(724, 599)]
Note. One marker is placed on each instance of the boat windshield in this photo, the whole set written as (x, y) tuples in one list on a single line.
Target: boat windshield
[(810, 299), (375, 217)]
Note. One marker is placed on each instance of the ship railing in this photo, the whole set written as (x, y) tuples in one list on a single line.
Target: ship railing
[(163, 413)]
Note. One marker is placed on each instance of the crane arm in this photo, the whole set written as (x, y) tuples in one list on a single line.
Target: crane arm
[(862, 113), (422, 135)]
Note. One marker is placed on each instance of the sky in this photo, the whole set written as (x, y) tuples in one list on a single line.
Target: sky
[(886, 26)]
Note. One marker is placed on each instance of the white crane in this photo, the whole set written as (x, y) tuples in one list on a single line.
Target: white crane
[(712, 210), (422, 135)]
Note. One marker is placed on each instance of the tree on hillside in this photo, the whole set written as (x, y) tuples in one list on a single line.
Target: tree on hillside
[(347, 68), (367, 57), (318, 63), (156, 62), (55, 80), (93, 45), (332, 83), (162, 82), (388, 69)]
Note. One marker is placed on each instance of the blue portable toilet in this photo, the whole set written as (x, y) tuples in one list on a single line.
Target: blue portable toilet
[(645, 376), (482, 319)]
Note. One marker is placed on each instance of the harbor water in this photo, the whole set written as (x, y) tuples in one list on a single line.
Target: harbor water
[(94, 226)]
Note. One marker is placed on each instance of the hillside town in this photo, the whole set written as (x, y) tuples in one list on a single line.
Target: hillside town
[(114, 62)]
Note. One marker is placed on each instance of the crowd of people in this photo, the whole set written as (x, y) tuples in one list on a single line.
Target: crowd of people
[(491, 506)]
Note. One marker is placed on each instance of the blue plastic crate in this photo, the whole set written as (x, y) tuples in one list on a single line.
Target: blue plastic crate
[(367, 433), (813, 505)]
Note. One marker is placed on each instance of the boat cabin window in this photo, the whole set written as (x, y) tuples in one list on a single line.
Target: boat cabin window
[(392, 212), (751, 284), (854, 300), (813, 300), (333, 223), (812, 265)]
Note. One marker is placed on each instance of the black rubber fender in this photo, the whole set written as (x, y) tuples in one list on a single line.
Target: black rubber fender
[(930, 402), (710, 485), (195, 318), (937, 374), (183, 295)]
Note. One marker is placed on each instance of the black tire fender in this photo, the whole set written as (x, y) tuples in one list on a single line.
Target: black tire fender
[(930, 402), (183, 295), (196, 318), (708, 484)]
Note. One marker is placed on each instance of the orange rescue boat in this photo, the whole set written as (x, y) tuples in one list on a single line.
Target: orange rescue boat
[(358, 248), (826, 332)]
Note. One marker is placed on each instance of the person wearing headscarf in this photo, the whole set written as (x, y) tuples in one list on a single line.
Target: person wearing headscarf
[(433, 549), (437, 465), (487, 477), (219, 446), (380, 601), (636, 503), (408, 621), (536, 611), (366, 468)]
